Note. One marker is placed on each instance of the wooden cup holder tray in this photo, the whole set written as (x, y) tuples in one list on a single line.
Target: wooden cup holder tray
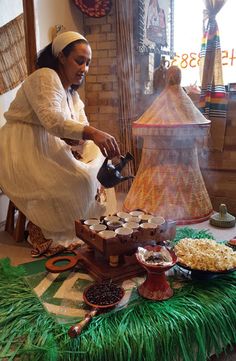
[(119, 244), (114, 258)]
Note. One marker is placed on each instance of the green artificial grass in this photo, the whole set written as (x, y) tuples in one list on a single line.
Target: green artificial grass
[(198, 319)]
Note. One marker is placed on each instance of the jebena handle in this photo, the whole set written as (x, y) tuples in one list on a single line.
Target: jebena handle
[(76, 330)]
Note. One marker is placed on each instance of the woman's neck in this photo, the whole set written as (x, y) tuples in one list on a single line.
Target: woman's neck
[(63, 78)]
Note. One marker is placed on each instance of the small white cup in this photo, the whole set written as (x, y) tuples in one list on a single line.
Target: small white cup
[(114, 224), (123, 215), (157, 220), (107, 234), (122, 231), (90, 222), (145, 217), (147, 225), (132, 219), (98, 227), (112, 218), (132, 225)]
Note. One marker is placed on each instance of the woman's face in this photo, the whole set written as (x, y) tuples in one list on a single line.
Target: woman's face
[(73, 68)]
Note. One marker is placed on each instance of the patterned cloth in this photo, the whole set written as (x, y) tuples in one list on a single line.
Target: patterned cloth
[(43, 246), (94, 8), (213, 98)]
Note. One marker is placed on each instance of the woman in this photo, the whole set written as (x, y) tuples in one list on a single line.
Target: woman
[(38, 170)]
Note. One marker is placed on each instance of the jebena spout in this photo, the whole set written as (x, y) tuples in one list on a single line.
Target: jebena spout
[(123, 161), (127, 177), (122, 179)]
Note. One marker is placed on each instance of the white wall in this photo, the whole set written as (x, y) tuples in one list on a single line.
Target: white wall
[(9, 9), (48, 14)]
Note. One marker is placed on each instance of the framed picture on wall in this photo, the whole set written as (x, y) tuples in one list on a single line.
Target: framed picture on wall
[(232, 87), (156, 26)]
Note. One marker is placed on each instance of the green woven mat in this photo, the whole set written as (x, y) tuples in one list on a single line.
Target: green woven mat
[(201, 316), (62, 294)]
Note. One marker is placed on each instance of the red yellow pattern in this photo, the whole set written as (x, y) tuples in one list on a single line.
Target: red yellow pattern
[(169, 183)]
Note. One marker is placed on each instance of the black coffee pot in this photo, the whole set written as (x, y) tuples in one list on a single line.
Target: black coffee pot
[(109, 175)]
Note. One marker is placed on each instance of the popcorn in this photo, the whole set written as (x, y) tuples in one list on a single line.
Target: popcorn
[(205, 255)]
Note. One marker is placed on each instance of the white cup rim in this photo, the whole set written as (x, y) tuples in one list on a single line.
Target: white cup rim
[(121, 231), (131, 225), (153, 220), (106, 232), (91, 221), (111, 218), (136, 213), (132, 219), (122, 214), (148, 225), (110, 223), (101, 226), (145, 217)]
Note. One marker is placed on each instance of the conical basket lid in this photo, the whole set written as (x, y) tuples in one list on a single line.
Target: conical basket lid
[(172, 108)]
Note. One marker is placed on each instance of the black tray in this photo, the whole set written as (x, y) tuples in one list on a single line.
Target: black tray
[(204, 275)]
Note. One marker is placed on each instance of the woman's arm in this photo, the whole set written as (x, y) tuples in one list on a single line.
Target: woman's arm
[(47, 97), (45, 94)]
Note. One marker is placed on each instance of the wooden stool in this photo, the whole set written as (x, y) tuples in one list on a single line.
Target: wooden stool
[(17, 230)]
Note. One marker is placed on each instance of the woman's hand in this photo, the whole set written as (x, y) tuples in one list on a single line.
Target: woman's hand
[(106, 142)]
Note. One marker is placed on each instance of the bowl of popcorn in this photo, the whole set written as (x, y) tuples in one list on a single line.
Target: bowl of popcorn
[(205, 256)]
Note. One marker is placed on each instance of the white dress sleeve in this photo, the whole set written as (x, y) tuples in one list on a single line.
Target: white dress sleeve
[(78, 106), (47, 97)]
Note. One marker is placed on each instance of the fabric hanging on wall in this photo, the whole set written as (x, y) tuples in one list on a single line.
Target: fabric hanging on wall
[(126, 80), (213, 98), (94, 8), (13, 68)]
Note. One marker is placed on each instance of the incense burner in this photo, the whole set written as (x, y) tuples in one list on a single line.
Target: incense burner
[(156, 287)]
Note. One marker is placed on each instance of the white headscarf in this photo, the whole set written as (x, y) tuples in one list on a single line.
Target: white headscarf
[(64, 39)]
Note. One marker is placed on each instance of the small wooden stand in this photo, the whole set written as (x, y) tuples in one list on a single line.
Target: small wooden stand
[(15, 229), (114, 258)]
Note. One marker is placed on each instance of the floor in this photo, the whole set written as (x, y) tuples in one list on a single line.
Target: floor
[(20, 253)]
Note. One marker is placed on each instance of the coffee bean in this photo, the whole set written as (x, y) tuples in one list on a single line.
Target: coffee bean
[(104, 294)]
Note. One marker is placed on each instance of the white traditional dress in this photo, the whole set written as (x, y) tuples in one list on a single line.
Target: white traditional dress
[(38, 171)]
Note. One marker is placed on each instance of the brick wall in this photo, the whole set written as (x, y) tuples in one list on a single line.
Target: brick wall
[(101, 87)]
